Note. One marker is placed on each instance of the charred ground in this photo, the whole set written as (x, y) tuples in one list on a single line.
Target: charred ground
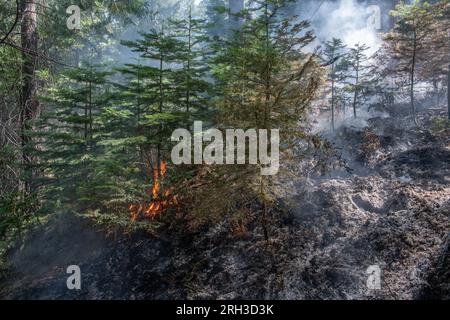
[(392, 210)]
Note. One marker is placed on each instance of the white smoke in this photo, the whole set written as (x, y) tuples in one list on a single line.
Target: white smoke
[(347, 20), (322, 122)]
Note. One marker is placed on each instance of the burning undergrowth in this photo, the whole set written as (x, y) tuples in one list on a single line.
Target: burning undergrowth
[(162, 197), (395, 214)]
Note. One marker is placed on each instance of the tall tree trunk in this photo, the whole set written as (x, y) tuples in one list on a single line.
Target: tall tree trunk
[(157, 173), (448, 91), (413, 71), (355, 96), (91, 135), (188, 75), (268, 68), (29, 103), (436, 91), (264, 180), (332, 102), (86, 119), (138, 98)]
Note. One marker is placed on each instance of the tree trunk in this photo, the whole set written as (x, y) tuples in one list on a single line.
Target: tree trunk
[(86, 107), (91, 135), (355, 96), (436, 91), (332, 105), (29, 103), (413, 70), (448, 91), (157, 173), (268, 67), (138, 100), (188, 75)]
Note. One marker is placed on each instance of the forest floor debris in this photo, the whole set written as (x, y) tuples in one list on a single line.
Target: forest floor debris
[(392, 211)]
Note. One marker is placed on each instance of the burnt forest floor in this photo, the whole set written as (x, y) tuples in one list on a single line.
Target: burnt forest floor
[(391, 210)]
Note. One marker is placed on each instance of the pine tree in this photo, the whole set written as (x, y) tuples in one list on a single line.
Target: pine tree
[(358, 62), (167, 91), (336, 57), (156, 79), (216, 20), (264, 80), (408, 41), (71, 135), (122, 139), (437, 65), (191, 89)]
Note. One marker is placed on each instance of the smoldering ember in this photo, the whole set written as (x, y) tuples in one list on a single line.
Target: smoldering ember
[(229, 150)]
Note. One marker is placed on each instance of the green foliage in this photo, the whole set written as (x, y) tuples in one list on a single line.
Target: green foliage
[(411, 32), (336, 57), (114, 223), (216, 13), (192, 90), (358, 59), (165, 90), (409, 42), (101, 21), (441, 125), (263, 80), (18, 215), (103, 135), (78, 171), (16, 212)]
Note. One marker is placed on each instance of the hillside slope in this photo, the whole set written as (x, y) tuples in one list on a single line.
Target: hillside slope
[(392, 210)]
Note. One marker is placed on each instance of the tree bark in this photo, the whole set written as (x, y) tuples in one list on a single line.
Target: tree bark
[(188, 75), (413, 73), (332, 98), (332, 106), (355, 96), (448, 91), (86, 119), (29, 103)]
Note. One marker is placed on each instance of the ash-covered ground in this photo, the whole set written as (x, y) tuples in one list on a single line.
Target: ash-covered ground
[(391, 209)]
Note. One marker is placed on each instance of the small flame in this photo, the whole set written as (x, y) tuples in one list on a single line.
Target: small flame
[(163, 169), (158, 204)]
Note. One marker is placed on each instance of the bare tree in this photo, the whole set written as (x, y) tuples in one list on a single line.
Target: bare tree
[(29, 103)]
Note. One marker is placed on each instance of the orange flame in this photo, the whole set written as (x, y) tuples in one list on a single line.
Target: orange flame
[(163, 169), (158, 204)]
